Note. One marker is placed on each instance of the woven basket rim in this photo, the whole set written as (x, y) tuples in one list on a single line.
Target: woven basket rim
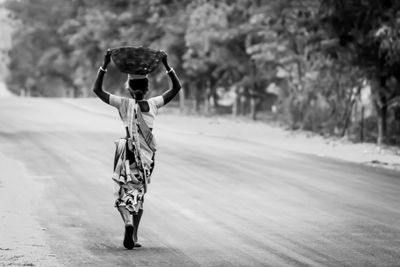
[(136, 59)]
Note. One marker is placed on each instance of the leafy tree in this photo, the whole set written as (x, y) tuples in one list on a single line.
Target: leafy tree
[(216, 39), (5, 42), (366, 32), (97, 27), (284, 43), (59, 44), (36, 57), (318, 52)]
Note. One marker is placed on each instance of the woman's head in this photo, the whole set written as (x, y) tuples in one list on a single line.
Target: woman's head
[(137, 86)]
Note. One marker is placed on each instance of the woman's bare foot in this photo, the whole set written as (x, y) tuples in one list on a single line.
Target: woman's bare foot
[(129, 229), (128, 238)]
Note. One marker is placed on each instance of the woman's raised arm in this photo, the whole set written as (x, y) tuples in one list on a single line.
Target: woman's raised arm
[(98, 84), (176, 84)]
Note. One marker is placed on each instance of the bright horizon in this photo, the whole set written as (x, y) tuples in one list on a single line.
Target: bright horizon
[(5, 41), (4, 91)]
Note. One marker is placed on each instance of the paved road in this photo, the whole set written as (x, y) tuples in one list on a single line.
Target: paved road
[(213, 201)]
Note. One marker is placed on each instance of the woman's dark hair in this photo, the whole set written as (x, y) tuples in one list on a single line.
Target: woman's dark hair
[(142, 84)]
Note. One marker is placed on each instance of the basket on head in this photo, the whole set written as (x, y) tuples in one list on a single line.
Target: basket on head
[(136, 60)]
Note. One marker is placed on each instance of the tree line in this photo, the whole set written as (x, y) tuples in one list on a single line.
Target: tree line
[(329, 66)]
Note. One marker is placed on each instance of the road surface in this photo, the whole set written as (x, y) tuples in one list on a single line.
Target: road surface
[(213, 201)]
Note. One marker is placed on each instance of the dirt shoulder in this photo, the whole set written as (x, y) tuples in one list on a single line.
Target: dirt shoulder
[(22, 241), (277, 137)]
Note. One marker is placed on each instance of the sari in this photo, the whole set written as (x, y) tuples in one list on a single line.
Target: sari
[(134, 158)]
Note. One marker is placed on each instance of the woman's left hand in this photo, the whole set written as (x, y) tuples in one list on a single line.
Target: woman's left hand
[(107, 58)]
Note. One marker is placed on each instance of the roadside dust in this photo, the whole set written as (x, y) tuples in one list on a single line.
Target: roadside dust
[(22, 240)]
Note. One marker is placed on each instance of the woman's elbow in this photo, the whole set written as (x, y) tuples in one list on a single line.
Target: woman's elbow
[(97, 89), (177, 86)]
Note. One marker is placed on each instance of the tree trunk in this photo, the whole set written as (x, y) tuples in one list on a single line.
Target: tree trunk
[(362, 124), (242, 105), (380, 103), (182, 100), (347, 114), (382, 122), (212, 96), (207, 101), (197, 98), (235, 106), (76, 92), (253, 105), (349, 110)]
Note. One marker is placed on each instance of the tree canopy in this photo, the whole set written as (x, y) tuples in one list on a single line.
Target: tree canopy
[(306, 62)]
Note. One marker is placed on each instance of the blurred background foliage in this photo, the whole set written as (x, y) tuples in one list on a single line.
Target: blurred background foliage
[(328, 66)]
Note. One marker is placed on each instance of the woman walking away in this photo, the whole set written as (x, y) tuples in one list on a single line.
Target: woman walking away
[(134, 156)]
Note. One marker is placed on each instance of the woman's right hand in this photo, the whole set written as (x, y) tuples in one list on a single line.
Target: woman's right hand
[(107, 58)]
